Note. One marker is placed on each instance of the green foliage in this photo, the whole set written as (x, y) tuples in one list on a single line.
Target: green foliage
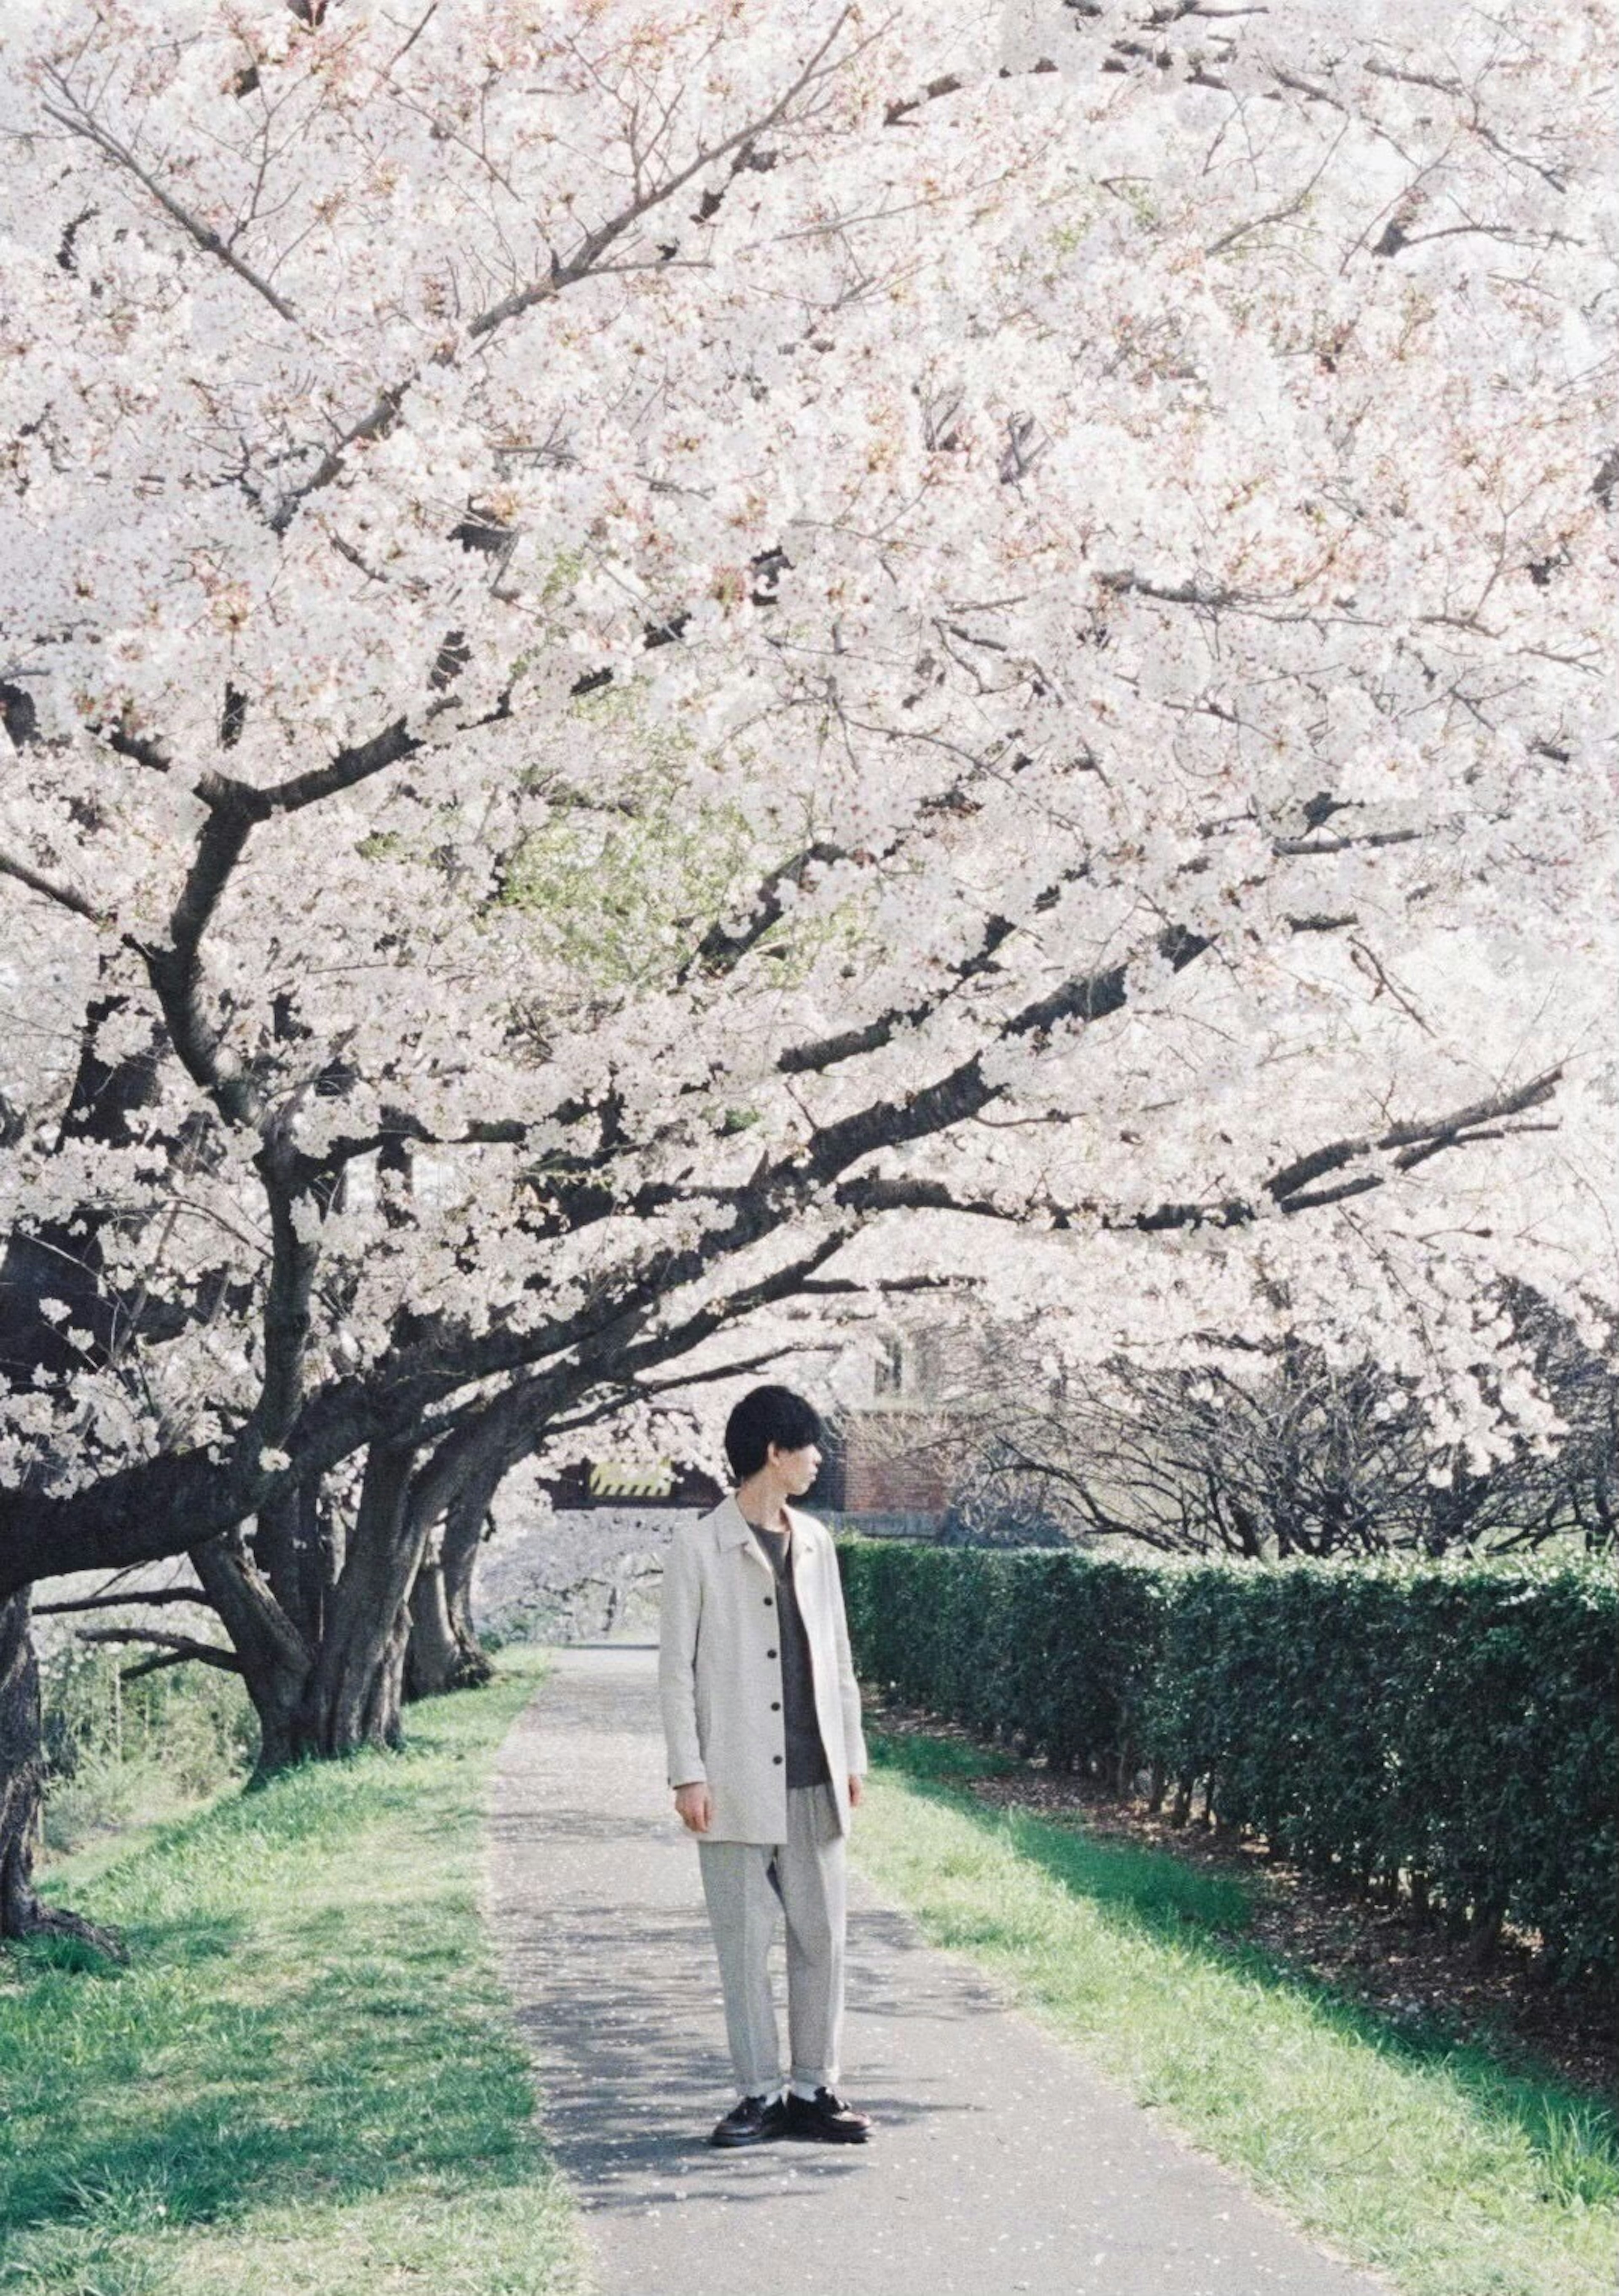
[(381, 845), (1446, 1729), (121, 1753), (624, 890), (624, 899)]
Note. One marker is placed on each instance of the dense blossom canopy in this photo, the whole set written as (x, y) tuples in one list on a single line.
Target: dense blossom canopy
[(656, 651)]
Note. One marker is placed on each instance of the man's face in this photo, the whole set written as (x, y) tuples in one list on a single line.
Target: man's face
[(798, 1469)]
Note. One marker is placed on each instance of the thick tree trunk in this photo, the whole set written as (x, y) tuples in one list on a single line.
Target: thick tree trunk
[(466, 1527), (276, 1655), (356, 1687), (320, 1621), (432, 1657), (443, 1653), (22, 1794)]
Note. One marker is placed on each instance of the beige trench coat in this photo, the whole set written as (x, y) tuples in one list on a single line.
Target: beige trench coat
[(719, 1670)]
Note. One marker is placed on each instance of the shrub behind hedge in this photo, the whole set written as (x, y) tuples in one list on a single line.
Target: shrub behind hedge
[(1446, 1731)]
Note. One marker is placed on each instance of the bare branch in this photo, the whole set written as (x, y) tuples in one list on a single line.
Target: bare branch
[(183, 1646), (193, 1595), (1289, 206)]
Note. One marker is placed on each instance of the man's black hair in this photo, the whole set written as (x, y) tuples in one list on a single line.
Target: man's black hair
[(767, 1415)]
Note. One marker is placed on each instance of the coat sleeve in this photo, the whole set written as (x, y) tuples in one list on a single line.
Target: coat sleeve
[(848, 1689), (680, 1615)]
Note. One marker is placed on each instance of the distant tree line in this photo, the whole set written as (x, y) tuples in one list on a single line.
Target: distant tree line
[(1278, 1452)]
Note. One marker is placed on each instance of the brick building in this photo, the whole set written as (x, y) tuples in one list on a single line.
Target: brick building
[(888, 1466)]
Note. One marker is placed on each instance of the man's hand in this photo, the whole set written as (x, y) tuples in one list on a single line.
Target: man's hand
[(694, 1807), (856, 1788)]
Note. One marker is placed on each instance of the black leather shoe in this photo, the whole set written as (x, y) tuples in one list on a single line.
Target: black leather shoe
[(751, 2122), (826, 2118)]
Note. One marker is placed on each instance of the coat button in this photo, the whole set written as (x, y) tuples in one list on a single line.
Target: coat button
[(770, 1654), (770, 1603), (777, 1760), (775, 1706)]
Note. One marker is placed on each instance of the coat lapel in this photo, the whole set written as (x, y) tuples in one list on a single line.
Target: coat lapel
[(806, 1537), (731, 1529)]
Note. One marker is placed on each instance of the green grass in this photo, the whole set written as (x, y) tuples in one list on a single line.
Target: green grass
[(306, 2078), (1433, 2163), (124, 1754)]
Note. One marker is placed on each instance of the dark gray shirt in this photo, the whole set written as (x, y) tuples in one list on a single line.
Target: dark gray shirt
[(807, 1764)]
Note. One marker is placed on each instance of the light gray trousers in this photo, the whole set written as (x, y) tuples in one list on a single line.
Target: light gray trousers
[(748, 1884)]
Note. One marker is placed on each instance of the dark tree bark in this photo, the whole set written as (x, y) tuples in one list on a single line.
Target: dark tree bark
[(443, 1653), (61, 1262), (22, 1794), (352, 1696), (466, 1526), (432, 1657), (319, 1620), (276, 1655)]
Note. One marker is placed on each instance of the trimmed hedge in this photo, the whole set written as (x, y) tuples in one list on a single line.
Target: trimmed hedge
[(1446, 1731)]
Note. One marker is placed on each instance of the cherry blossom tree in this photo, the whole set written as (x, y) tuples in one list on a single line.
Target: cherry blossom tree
[(1258, 1450), (657, 656)]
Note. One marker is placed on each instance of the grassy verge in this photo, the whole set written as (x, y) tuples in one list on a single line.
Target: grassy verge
[(1435, 2164), (127, 1754), (306, 2079)]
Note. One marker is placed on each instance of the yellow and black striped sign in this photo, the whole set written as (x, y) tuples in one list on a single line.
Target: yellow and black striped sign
[(620, 1480)]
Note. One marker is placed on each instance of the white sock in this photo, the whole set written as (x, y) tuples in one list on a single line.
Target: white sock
[(807, 2090)]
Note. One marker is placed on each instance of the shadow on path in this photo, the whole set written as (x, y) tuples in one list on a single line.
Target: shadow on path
[(1000, 2163)]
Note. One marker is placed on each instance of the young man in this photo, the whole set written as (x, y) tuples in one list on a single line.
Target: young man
[(761, 1717)]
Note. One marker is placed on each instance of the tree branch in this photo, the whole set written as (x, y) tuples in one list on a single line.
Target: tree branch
[(1289, 1190), (580, 266), (1426, 1135), (236, 809), (52, 889), (72, 115), (182, 1646), (193, 1595)]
